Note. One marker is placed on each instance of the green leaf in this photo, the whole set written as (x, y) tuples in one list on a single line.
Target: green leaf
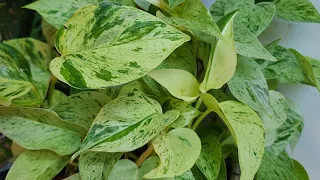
[(57, 97), (38, 129), (194, 17), (49, 32), (249, 86), (181, 84), (174, 3), (57, 12), (223, 171), (15, 75), (220, 95), (210, 157), (246, 129), (297, 10), (289, 132), (278, 114), (124, 2), (182, 58), (97, 165), (124, 170), (315, 73), (178, 151), (81, 108), (74, 177), (300, 172), (37, 165), (127, 123), (223, 59), (98, 33), (187, 112)]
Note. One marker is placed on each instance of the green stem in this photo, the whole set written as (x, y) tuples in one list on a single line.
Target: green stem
[(132, 156), (199, 120), (198, 103), (36, 91), (49, 93)]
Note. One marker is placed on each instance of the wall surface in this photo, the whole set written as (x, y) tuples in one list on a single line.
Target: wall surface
[(305, 38)]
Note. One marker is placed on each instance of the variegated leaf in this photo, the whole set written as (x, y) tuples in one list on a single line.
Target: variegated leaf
[(124, 170), (143, 4), (174, 3), (37, 165), (249, 85), (187, 112), (193, 16), (178, 151), (246, 129), (223, 171), (297, 10), (38, 129), (81, 108), (223, 59), (220, 95), (49, 32), (181, 84), (57, 96), (132, 118), (182, 58), (97, 165), (57, 12), (15, 75), (210, 157), (315, 73), (92, 38)]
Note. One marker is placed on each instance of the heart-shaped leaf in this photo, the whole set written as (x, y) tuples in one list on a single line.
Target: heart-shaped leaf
[(124, 170), (181, 84), (178, 151), (98, 33), (246, 129), (37, 165), (97, 165), (223, 59), (38, 129)]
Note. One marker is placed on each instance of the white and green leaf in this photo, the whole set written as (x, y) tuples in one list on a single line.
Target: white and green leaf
[(124, 170)]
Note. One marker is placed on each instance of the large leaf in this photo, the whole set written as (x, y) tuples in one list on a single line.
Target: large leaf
[(97, 165), (249, 85), (37, 165), (223, 59), (92, 38), (210, 157), (127, 123), (193, 16), (15, 74), (178, 151), (289, 132), (38, 129), (81, 108), (246, 129), (181, 84), (297, 10), (57, 12)]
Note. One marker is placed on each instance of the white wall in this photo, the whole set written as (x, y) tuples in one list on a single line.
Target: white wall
[(305, 38)]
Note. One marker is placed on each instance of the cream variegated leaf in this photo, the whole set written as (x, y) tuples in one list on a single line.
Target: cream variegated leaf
[(37, 165), (81, 108), (223, 59), (109, 44), (246, 129), (97, 165), (181, 84), (124, 170), (178, 151), (36, 129)]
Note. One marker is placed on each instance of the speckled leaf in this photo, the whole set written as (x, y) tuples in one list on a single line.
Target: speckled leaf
[(249, 85), (57, 97), (174, 3), (124, 170), (278, 113), (220, 95), (49, 32), (194, 17), (15, 74), (299, 171), (38, 129), (178, 151), (97, 165), (138, 84), (92, 38), (210, 157), (143, 4), (246, 129), (315, 73), (297, 10), (182, 58), (124, 2), (74, 177), (276, 167), (289, 132), (287, 69), (187, 112), (37, 165), (81, 108), (188, 175), (132, 118), (181, 84), (223, 59), (57, 12)]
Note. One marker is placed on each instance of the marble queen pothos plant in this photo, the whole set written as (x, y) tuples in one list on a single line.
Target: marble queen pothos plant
[(157, 89)]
